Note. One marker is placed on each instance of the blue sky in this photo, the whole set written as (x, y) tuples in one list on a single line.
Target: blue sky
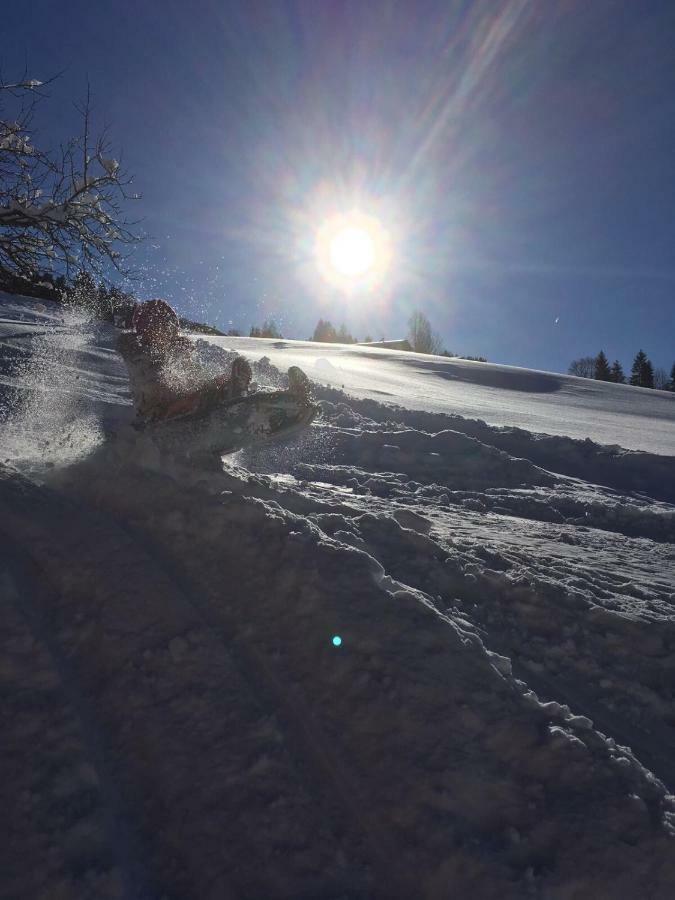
[(521, 154)]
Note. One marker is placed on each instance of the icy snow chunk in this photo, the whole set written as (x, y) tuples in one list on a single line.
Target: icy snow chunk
[(583, 723), (406, 518), (501, 663)]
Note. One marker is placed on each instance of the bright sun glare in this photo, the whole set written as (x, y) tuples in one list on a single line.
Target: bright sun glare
[(352, 250)]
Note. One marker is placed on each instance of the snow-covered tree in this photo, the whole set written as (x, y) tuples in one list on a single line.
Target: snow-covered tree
[(584, 367), (421, 336), (642, 373), (671, 384), (60, 209), (616, 373), (601, 370)]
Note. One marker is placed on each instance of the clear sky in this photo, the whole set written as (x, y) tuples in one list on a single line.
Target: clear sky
[(521, 156)]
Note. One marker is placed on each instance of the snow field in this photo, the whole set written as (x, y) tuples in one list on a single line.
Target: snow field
[(498, 721), (448, 768), (506, 396)]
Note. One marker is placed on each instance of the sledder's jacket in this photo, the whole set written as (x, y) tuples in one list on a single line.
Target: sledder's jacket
[(158, 376)]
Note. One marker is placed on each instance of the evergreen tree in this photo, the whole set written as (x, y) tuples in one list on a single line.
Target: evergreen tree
[(343, 336), (671, 384), (324, 332), (648, 375), (642, 372), (602, 372), (638, 362), (616, 373), (269, 329)]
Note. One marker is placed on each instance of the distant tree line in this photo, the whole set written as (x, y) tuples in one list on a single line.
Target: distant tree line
[(83, 292), (420, 337), (97, 299), (326, 333), (424, 339), (268, 329), (642, 373)]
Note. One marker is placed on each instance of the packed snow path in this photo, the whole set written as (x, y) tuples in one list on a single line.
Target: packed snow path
[(505, 608)]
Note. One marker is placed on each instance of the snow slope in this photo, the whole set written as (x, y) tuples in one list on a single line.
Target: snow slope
[(635, 418), (499, 718)]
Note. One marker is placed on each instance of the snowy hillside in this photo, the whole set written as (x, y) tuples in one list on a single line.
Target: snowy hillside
[(426, 649), (635, 418)]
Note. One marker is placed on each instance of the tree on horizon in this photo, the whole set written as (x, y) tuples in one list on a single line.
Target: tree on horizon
[(324, 332), (584, 367), (268, 329), (616, 373), (343, 336), (661, 380), (421, 336), (601, 369), (642, 372)]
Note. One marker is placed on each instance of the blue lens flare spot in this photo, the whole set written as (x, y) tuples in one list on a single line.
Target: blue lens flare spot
[(337, 640)]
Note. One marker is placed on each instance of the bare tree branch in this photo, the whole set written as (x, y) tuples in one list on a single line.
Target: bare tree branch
[(60, 209), (422, 338)]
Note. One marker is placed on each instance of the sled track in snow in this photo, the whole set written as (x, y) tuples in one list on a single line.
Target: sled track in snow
[(655, 749), (419, 561), (341, 796), (332, 803)]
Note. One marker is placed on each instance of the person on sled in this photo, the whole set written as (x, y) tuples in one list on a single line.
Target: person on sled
[(165, 378)]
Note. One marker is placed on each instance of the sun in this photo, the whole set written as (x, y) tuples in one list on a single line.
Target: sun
[(352, 250)]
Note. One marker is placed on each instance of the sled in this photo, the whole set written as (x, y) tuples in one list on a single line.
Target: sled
[(233, 425)]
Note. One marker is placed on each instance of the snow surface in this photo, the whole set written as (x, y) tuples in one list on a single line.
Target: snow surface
[(635, 418), (498, 720)]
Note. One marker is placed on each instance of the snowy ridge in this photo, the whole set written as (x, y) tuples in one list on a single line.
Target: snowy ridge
[(507, 635)]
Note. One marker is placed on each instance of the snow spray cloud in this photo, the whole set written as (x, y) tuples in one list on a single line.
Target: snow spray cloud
[(48, 423)]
